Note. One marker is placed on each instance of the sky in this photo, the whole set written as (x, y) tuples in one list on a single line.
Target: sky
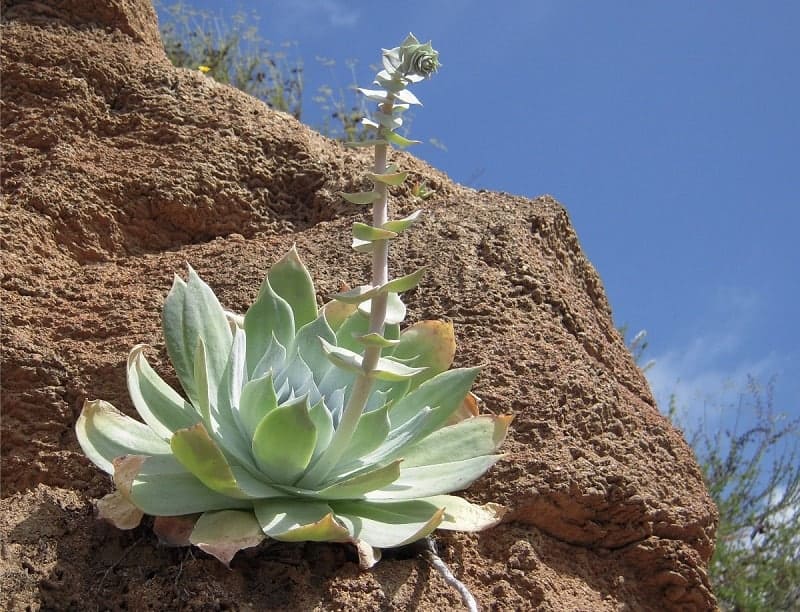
[(668, 130)]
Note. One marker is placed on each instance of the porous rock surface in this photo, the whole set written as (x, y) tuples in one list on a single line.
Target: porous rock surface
[(118, 169)]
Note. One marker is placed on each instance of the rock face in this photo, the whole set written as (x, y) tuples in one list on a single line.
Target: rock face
[(119, 168)]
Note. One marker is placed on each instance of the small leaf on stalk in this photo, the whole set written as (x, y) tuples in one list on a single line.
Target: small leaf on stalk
[(362, 246), (374, 339), (343, 358), (400, 141), (403, 224), (376, 95), (362, 231), (387, 369), (392, 179), (366, 122), (395, 309), (362, 197), (406, 97)]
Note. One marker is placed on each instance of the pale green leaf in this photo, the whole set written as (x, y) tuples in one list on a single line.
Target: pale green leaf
[(224, 533), (323, 423), (362, 231), (284, 441), (200, 455), (481, 435), (257, 400), (362, 197), (406, 97), (290, 279), (343, 358), (461, 515), (437, 479), (371, 430), (164, 410), (395, 309), (388, 369), (296, 520), (374, 339), (269, 316), (400, 225), (400, 141), (443, 393), (192, 312), (388, 525), (161, 486), (104, 434), (376, 95), (356, 487)]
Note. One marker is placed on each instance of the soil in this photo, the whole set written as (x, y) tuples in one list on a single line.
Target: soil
[(118, 169)]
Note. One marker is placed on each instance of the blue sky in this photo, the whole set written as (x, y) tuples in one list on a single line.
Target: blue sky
[(669, 130)]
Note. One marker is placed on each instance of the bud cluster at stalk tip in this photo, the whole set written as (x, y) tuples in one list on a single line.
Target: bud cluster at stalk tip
[(412, 60)]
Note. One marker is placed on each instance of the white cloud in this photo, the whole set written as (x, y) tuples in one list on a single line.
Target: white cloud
[(326, 13)]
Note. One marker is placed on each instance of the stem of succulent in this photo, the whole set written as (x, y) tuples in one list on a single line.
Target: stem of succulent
[(380, 275)]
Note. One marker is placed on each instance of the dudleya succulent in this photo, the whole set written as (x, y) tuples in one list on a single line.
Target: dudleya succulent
[(301, 423)]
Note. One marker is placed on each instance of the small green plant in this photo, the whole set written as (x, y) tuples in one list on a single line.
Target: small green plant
[(301, 423)]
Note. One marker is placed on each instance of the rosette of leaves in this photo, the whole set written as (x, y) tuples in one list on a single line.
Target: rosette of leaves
[(244, 455)]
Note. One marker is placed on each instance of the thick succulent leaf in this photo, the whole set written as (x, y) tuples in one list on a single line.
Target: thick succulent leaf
[(257, 400), (474, 437), (323, 423), (370, 432), (296, 520), (376, 95), (224, 533), (161, 486), (400, 141), (192, 312), (400, 225), (438, 479), (274, 359), (342, 358), (356, 487), (164, 410), (307, 345), (406, 97), (443, 393), (397, 285), (362, 231), (461, 515), (395, 309), (296, 379), (355, 325), (104, 434), (387, 525), (374, 339), (270, 317), (119, 511), (284, 442), (362, 197), (391, 370), (430, 344), (200, 455), (213, 404), (290, 279), (393, 447), (393, 179), (336, 313)]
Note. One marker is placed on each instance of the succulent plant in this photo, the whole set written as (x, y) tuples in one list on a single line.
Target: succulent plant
[(299, 423)]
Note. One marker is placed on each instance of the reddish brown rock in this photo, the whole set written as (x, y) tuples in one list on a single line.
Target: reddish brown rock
[(119, 168)]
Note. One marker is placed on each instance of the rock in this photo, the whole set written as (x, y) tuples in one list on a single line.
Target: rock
[(119, 168)]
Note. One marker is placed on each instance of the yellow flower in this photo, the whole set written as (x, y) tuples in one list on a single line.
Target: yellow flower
[(204, 68)]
